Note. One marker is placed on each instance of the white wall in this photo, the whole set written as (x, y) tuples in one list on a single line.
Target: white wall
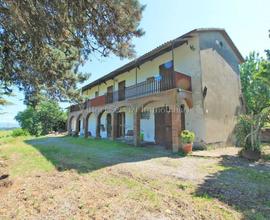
[(103, 122), (92, 124), (148, 128)]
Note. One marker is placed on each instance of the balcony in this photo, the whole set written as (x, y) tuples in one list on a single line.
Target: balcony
[(151, 86), (148, 87)]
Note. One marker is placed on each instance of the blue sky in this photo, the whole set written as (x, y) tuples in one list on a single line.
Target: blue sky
[(246, 21)]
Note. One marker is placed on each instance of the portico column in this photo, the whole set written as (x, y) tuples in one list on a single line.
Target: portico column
[(114, 125), (137, 127), (97, 127), (176, 128), (85, 126), (77, 126), (69, 124)]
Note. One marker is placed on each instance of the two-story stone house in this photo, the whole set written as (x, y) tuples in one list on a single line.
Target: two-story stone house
[(191, 82)]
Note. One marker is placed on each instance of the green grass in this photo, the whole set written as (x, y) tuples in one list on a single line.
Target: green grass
[(28, 156), (63, 153)]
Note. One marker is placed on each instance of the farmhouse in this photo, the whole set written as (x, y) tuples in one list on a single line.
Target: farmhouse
[(191, 82)]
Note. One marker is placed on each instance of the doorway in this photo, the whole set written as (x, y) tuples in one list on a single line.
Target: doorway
[(121, 124), (163, 127)]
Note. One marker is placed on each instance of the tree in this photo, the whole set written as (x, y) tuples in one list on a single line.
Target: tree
[(255, 82), (46, 117), (43, 42), (255, 91), (264, 69)]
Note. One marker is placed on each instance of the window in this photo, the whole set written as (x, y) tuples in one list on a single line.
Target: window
[(96, 94)]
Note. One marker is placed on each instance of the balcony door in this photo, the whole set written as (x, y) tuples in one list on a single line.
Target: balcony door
[(110, 94), (121, 90), (166, 71)]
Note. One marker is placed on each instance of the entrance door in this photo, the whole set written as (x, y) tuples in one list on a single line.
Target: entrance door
[(121, 90), (121, 124), (163, 127), (109, 125)]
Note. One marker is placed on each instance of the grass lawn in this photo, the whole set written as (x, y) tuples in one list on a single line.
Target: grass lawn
[(64, 177)]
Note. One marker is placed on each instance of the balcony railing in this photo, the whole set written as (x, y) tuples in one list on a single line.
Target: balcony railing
[(148, 87)]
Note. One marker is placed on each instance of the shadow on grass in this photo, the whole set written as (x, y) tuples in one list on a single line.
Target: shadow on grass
[(85, 155), (241, 184)]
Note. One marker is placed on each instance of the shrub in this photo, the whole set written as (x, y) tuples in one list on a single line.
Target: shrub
[(243, 133), (187, 136), (19, 132)]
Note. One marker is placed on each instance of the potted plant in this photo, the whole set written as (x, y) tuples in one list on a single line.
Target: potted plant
[(187, 138)]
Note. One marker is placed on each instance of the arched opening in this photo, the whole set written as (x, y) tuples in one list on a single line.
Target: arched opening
[(79, 125), (91, 125), (100, 128), (87, 131), (72, 125)]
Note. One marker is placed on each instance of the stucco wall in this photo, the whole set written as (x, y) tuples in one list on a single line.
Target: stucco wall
[(220, 75), (187, 61), (92, 124)]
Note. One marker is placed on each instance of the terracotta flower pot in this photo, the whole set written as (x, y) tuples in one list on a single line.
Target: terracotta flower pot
[(187, 148)]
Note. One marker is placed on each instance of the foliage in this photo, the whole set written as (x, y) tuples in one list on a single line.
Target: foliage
[(255, 80), (256, 92), (42, 43), (19, 132), (264, 70), (248, 129), (242, 130), (46, 117), (187, 136)]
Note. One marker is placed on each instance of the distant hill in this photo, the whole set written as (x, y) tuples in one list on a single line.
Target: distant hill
[(8, 125)]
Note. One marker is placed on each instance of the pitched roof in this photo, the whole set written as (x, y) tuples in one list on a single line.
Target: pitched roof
[(165, 47)]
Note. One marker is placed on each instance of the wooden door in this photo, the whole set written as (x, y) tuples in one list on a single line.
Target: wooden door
[(166, 72), (163, 127), (121, 90), (121, 124)]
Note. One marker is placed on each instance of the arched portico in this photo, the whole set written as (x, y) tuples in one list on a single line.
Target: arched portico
[(80, 125)]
